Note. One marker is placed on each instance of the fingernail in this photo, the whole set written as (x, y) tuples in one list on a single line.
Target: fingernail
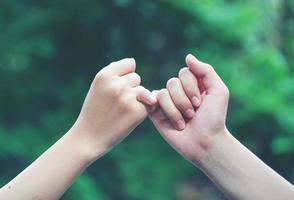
[(189, 113), (195, 101), (181, 124)]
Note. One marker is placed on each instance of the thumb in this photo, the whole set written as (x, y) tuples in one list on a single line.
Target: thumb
[(211, 81)]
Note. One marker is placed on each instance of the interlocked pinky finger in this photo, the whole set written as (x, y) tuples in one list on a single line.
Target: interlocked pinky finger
[(145, 96)]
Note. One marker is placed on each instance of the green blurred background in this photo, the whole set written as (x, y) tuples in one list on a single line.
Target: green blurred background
[(50, 51)]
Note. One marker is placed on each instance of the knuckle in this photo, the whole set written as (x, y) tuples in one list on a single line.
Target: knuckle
[(112, 63), (102, 76), (114, 90), (209, 67), (183, 71), (125, 102), (134, 109), (171, 82), (162, 93), (138, 78), (226, 91)]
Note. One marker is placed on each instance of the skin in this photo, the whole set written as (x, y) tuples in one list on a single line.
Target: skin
[(204, 140), (190, 114), (110, 112), (209, 111), (114, 98)]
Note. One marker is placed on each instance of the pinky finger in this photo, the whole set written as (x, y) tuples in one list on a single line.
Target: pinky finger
[(145, 96)]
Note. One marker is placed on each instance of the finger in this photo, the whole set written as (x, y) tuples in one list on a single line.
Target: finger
[(178, 96), (131, 79), (190, 85), (159, 116), (122, 67), (156, 107), (212, 82), (171, 111), (145, 96)]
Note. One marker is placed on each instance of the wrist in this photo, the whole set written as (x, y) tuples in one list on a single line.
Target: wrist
[(87, 149), (214, 147)]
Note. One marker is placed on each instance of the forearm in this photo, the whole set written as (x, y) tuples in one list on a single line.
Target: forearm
[(51, 174), (111, 110), (240, 174)]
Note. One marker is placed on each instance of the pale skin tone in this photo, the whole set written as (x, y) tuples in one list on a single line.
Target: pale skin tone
[(110, 112), (190, 114), (203, 139)]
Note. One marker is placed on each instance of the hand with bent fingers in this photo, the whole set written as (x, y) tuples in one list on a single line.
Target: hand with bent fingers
[(190, 114), (111, 109), (192, 109), (200, 135), (110, 112)]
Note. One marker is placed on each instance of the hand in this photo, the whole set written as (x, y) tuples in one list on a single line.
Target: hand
[(192, 110), (111, 110)]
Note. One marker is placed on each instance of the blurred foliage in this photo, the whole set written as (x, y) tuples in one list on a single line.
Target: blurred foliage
[(50, 50)]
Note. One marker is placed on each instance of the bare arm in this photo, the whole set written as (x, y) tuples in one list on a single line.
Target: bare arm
[(240, 174), (51, 174), (198, 99), (110, 112)]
